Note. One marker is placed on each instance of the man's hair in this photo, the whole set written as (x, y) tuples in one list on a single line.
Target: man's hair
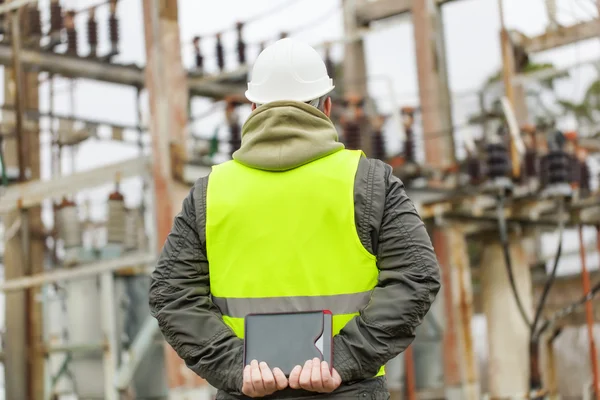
[(318, 103)]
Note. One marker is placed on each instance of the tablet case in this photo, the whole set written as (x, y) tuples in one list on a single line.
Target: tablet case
[(284, 340)]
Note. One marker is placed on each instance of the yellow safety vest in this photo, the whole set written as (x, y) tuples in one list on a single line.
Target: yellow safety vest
[(287, 241)]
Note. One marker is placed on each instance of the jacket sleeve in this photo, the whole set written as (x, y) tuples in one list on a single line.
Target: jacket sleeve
[(409, 279), (180, 300)]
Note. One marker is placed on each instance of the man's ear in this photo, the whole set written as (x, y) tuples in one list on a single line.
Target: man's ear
[(327, 107), (253, 106)]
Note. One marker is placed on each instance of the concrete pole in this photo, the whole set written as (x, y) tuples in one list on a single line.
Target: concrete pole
[(548, 361), (25, 252), (166, 82), (460, 370), (508, 335), (434, 93), (460, 376), (355, 70)]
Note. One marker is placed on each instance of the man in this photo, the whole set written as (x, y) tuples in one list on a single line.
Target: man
[(294, 223)]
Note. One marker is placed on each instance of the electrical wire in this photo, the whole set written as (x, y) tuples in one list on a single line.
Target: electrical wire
[(507, 260), (257, 17), (552, 277), (570, 309), (3, 166)]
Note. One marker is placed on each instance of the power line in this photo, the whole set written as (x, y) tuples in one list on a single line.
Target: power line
[(257, 17)]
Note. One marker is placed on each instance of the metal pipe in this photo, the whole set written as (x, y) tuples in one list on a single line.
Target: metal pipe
[(589, 312), (76, 348), (585, 278), (409, 371), (15, 5), (78, 272), (18, 80), (33, 193), (88, 68), (109, 320), (141, 344)]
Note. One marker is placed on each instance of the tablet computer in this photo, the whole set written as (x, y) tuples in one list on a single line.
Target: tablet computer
[(284, 340)]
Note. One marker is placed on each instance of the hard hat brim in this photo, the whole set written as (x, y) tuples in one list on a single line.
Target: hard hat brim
[(258, 100)]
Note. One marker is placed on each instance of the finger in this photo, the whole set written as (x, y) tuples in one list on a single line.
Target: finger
[(326, 378), (267, 378), (337, 379), (247, 387), (257, 381), (294, 380), (315, 375), (280, 380), (305, 376)]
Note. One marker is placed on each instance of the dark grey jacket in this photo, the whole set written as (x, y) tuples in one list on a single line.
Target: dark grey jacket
[(387, 224)]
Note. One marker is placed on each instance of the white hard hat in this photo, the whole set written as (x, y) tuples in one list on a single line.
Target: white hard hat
[(288, 70)]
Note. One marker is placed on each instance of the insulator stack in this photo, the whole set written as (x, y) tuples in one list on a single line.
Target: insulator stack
[(235, 129), (531, 164), (92, 32), (408, 116), (56, 19), (235, 138), (498, 161), (378, 145), (474, 170), (71, 32), (377, 139), (556, 168), (69, 227), (113, 28), (132, 226), (35, 21), (198, 54), (115, 226), (241, 45), (575, 176), (220, 54), (585, 178), (352, 135)]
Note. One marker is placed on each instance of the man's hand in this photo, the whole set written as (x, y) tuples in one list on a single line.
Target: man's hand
[(315, 377), (260, 381)]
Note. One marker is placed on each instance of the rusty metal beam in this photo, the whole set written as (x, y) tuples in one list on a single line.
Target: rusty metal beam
[(434, 93), (132, 75), (562, 36), (367, 12), (32, 193)]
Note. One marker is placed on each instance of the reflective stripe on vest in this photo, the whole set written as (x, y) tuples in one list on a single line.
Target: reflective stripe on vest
[(287, 241)]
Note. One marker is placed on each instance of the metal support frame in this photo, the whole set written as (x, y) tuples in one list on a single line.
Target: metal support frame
[(369, 11), (561, 36), (111, 359), (84, 271), (15, 5), (142, 342), (33, 193), (132, 75)]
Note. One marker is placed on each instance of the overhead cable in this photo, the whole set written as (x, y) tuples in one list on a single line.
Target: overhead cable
[(507, 259), (257, 17), (552, 277)]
